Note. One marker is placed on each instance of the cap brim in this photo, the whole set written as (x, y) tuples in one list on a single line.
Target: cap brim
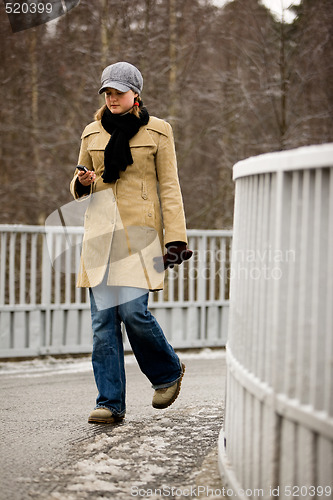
[(111, 84)]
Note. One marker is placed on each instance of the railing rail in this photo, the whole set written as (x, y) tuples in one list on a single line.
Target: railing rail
[(43, 312)]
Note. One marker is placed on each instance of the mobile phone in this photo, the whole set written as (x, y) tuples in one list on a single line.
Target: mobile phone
[(82, 168)]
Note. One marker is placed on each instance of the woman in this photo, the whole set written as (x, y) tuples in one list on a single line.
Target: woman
[(131, 177)]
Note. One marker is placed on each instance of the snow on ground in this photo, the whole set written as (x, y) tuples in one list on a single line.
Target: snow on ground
[(145, 457), (50, 365)]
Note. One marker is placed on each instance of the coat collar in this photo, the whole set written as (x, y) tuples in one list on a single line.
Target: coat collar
[(100, 137)]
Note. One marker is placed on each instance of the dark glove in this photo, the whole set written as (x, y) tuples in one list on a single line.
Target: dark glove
[(177, 252)]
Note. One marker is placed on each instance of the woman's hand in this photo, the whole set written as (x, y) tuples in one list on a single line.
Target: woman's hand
[(177, 252), (86, 178)]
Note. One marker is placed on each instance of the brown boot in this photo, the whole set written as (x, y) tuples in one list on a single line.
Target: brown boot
[(104, 416), (165, 397)]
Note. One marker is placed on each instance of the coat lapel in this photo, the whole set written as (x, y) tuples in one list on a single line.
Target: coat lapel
[(142, 138)]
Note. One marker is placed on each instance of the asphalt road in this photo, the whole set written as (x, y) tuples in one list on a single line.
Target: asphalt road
[(49, 451)]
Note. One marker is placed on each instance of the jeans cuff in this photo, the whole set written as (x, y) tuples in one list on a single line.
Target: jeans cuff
[(168, 384)]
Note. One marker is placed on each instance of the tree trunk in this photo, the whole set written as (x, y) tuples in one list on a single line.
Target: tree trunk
[(104, 33), (173, 63), (35, 139), (283, 86)]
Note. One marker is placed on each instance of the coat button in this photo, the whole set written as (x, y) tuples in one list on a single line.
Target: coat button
[(150, 214)]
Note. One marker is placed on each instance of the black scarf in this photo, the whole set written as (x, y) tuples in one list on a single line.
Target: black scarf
[(117, 154)]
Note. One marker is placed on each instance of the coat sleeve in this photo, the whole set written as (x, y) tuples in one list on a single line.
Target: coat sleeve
[(170, 193), (76, 188)]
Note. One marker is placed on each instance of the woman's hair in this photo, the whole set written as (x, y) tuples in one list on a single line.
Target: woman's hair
[(136, 110), (99, 113)]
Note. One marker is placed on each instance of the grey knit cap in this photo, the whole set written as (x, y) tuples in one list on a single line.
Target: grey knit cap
[(121, 76)]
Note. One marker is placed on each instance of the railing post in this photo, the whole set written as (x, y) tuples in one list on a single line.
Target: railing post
[(48, 243)]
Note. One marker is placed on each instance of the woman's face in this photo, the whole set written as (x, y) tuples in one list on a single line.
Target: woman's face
[(119, 102)]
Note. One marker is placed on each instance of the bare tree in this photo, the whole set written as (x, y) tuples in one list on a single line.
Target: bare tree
[(234, 82)]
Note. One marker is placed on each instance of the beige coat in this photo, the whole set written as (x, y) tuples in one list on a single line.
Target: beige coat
[(127, 223)]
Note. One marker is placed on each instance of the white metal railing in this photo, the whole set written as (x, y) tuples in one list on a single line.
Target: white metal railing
[(278, 433), (43, 312)]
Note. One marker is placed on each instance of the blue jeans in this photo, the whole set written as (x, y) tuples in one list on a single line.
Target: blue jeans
[(156, 357)]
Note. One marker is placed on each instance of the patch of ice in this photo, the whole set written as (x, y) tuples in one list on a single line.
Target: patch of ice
[(205, 353), (49, 365), (45, 367), (110, 466), (93, 484)]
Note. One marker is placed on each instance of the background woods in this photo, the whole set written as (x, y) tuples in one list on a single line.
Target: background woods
[(233, 81)]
